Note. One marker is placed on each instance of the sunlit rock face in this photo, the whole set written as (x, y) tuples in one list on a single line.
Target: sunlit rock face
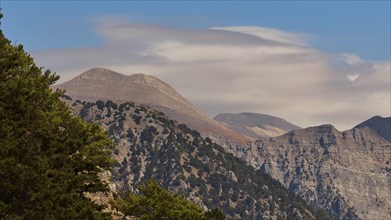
[(348, 173)]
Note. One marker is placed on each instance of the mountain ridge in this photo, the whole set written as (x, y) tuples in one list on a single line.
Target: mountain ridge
[(381, 125), (345, 172), (103, 84), (150, 145), (255, 125), (320, 164)]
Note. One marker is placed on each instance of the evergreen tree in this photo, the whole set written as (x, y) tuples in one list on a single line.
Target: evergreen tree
[(154, 202), (48, 158)]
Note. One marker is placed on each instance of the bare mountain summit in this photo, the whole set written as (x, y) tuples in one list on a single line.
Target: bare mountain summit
[(255, 126), (382, 126), (103, 84)]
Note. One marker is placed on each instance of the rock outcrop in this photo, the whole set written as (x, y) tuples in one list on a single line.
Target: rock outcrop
[(347, 173)]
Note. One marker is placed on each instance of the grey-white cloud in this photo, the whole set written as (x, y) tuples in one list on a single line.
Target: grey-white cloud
[(235, 69)]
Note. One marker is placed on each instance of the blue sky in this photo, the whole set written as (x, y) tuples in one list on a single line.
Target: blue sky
[(359, 27), (310, 62)]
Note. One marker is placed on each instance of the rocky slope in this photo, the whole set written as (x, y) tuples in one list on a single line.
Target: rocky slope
[(382, 126), (103, 84), (348, 173), (255, 126), (150, 145)]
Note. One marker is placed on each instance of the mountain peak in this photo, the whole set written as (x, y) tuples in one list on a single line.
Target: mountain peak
[(99, 73), (381, 125), (111, 77), (318, 130), (311, 133), (322, 129), (103, 84)]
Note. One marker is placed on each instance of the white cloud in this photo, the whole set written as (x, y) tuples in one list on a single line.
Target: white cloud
[(270, 34), (352, 77), (235, 69), (352, 59)]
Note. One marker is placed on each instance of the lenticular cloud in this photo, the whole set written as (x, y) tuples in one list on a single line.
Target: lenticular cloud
[(236, 69)]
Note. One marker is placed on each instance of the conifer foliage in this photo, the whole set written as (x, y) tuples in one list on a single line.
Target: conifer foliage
[(157, 203), (48, 158)]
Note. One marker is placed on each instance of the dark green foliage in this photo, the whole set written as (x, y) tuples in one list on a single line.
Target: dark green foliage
[(137, 119), (126, 106), (195, 134), (163, 119), (111, 104), (66, 97), (116, 152), (130, 134), (143, 109), (165, 130), (109, 112), (100, 104), (148, 133), (157, 203), (48, 158), (184, 128)]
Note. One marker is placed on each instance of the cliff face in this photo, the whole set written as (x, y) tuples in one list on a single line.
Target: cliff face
[(150, 145), (348, 173)]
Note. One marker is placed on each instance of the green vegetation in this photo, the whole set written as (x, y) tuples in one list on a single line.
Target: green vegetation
[(179, 158), (48, 158), (148, 133), (157, 203)]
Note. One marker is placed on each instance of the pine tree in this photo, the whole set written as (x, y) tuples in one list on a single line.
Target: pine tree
[(48, 158)]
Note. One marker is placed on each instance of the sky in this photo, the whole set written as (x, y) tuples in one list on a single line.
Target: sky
[(311, 63)]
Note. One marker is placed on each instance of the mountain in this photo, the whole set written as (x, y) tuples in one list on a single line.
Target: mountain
[(103, 84), (150, 145), (347, 173), (255, 126), (382, 126)]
